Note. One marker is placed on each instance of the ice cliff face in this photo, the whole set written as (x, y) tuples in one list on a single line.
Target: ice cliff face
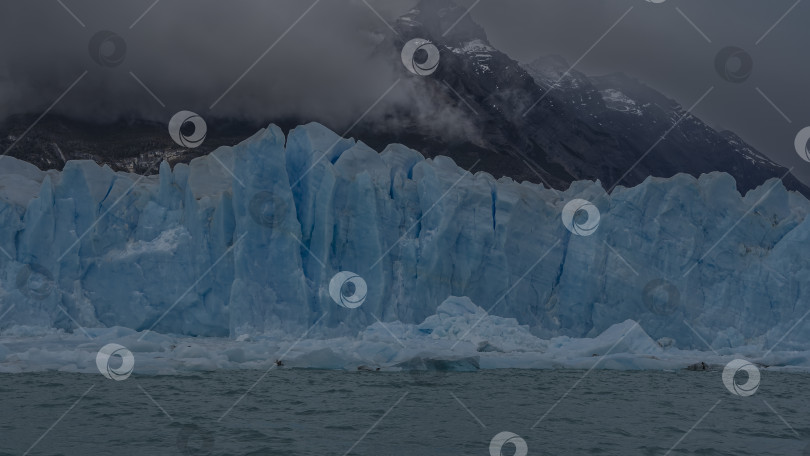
[(246, 240)]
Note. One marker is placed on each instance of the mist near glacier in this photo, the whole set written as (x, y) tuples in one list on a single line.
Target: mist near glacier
[(340, 57)]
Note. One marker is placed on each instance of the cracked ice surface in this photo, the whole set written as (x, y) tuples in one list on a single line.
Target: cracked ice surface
[(187, 253)]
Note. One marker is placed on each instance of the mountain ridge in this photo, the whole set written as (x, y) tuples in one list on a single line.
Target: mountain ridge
[(585, 127)]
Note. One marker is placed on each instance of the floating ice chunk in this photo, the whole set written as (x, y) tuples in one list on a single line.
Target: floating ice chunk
[(459, 319), (625, 337)]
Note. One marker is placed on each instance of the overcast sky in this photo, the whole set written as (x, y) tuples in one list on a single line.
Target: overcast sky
[(189, 52)]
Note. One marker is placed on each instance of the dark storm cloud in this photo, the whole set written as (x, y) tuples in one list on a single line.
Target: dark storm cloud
[(331, 66), (188, 52)]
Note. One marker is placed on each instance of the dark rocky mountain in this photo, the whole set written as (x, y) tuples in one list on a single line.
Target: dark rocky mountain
[(583, 127), (126, 145)]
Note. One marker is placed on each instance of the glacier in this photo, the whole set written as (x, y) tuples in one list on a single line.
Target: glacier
[(240, 246)]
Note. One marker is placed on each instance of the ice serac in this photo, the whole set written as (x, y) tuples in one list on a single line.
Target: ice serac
[(245, 240)]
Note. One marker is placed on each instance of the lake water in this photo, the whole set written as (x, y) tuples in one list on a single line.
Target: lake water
[(314, 412)]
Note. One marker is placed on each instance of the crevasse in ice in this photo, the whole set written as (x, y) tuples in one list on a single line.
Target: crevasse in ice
[(245, 241)]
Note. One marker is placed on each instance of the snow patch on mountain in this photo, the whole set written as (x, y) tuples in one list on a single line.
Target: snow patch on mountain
[(617, 101)]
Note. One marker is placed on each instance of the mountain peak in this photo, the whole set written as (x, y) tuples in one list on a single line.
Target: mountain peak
[(445, 19)]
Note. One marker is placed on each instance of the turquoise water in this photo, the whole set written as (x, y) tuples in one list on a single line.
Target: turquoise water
[(314, 412)]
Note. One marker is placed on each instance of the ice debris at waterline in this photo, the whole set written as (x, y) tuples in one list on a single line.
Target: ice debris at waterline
[(426, 350), (244, 242)]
